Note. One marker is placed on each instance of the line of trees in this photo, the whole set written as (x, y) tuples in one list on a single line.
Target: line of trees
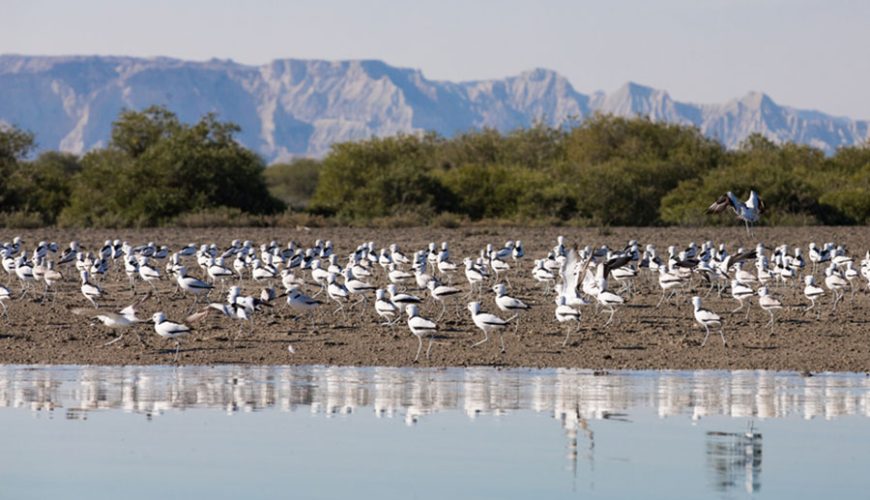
[(608, 170)]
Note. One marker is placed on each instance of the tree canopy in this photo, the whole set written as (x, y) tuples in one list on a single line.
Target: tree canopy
[(605, 171)]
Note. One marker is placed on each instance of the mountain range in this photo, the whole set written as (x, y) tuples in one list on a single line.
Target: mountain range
[(292, 107)]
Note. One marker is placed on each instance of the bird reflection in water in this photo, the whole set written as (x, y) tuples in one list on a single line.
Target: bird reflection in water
[(732, 456)]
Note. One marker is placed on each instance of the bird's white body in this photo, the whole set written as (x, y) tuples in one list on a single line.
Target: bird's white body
[(707, 318), (420, 326), (487, 322)]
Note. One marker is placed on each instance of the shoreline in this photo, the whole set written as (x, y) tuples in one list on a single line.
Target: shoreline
[(591, 371)]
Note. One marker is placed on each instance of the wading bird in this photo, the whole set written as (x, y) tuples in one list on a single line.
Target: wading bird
[(170, 330), (707, 318), (420, 326)]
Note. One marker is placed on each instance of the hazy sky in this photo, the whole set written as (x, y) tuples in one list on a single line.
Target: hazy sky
[(808, 54)]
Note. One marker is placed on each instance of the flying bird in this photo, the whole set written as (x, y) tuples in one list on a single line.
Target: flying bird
[(748, 211)]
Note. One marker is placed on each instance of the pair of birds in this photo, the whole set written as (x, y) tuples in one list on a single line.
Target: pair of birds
[(127, 318), (486, 322), (708, 318)]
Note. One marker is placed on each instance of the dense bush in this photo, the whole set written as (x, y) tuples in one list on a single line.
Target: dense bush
[(294, 183), (157, 168), (380, 177), (605, 171)]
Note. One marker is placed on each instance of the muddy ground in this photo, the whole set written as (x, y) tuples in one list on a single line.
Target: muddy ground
[(644, 337)]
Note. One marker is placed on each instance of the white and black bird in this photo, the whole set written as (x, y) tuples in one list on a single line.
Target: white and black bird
[(192, 285), (420, 326), (742, 293), (147, 272), (90, 290), (440, 293), (336, 291), (401, 299), (768, 303), (707, 318), (298, 301), (565, 314), (836, 283), (812, 292), (385, 308), (670, 283), (748, 211), (569, 279), (473, 274), (5, 295), (488, 323), (121, 320), (507, 303), (170, 330), (608, 300)]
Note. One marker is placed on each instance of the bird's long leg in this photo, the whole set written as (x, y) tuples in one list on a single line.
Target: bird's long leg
[(485, 338), (739, 308), (566, 338), (195, 302), (443, 309), (419, 347), (340, 305), (119, 337), (707, 329), (610, 319), (429, 348), (722, 334), (712, 285)]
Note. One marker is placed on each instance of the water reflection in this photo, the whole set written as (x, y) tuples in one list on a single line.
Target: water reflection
[(574, 398), (571, 396), (733, 456)]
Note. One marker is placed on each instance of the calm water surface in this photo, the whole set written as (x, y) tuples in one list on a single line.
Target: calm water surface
[(329, 432)]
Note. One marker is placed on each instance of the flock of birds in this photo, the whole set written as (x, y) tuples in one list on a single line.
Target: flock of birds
[(396, 283), (308, 278)]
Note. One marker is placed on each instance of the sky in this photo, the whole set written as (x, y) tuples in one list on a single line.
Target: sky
[(806, 54)]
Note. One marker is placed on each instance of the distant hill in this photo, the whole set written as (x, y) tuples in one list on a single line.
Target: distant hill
[(300, 107)]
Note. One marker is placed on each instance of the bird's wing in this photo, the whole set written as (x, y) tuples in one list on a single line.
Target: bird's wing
[(589, 279), (720, 204), (85, 311), (615, 263), (491, 319), (747, 255), (566, 273), (689, 263), (110, 315), (199, 315), (206, 311)]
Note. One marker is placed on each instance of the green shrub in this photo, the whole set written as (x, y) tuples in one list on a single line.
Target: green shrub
[(21, 220)]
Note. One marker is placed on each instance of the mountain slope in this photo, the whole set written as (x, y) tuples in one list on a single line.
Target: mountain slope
[(300, 107)]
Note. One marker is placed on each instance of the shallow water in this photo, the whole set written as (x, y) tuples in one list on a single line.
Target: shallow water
[(327, 432)]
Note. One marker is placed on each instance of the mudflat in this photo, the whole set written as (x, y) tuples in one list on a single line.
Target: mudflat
[(43, 330)]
